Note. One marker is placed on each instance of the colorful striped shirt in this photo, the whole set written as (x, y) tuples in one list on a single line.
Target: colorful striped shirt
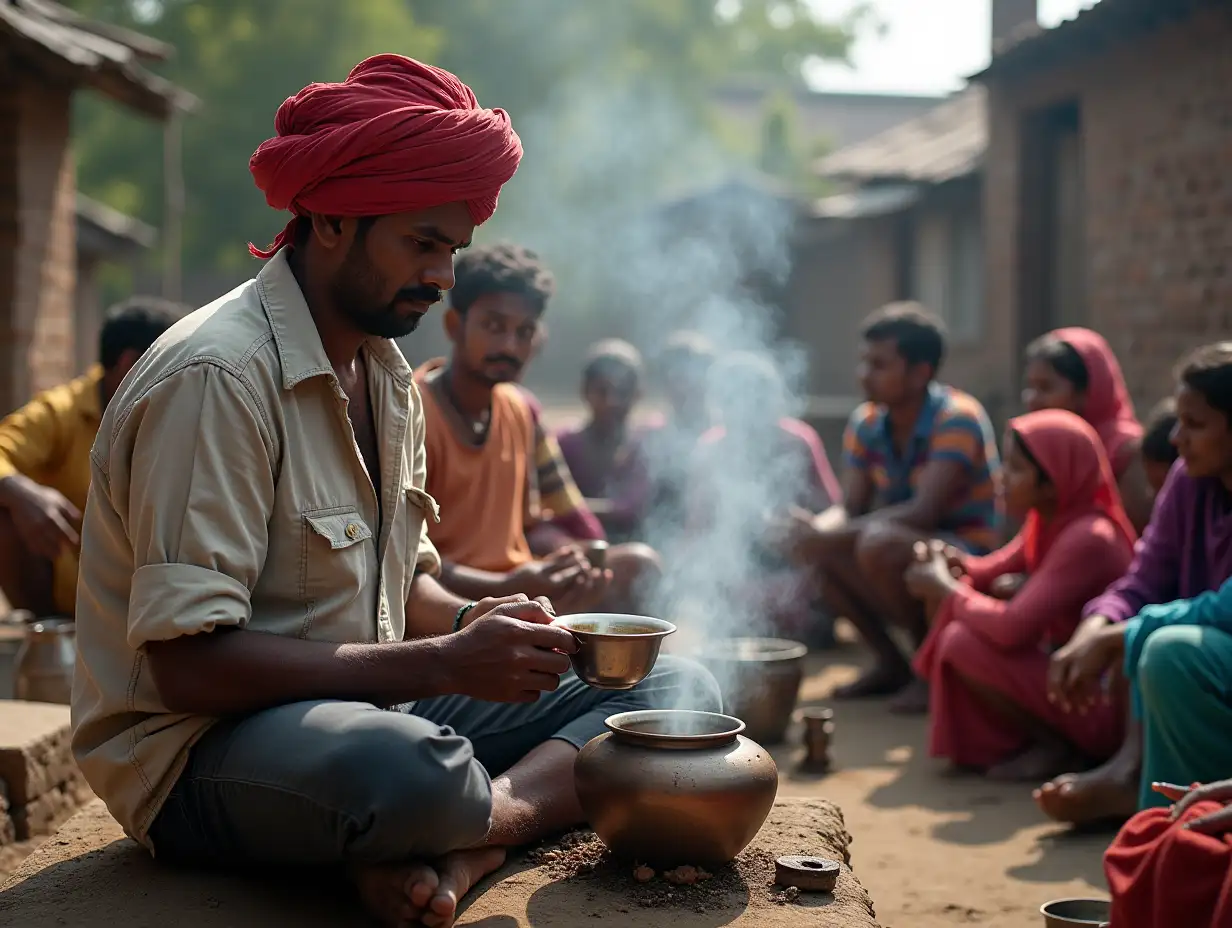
[(952, 426)]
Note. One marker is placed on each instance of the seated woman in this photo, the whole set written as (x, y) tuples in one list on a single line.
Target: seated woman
[(756, 464), (605, 455), (1074, 369), (1172, 867), (986, 658), (1183, 668)]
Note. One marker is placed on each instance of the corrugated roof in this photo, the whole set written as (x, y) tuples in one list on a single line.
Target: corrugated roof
[(103, 230), (55, 39), (1098, 25), (946, 142)]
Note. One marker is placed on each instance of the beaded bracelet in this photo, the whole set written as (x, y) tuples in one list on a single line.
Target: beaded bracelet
[(457, 619)]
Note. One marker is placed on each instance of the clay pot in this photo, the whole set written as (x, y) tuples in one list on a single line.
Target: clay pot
[(43, 671), (760, 679), (667, 787)]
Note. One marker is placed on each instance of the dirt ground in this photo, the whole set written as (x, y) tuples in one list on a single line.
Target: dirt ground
[(934, 850)]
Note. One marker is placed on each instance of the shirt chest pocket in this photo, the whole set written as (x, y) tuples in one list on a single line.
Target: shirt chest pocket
[(339, 558)]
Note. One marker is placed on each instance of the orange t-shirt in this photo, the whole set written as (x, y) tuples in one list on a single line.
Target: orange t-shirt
[(482, 489)]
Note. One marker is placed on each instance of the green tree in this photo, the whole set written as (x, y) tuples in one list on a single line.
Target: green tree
[(610, 98), (242, 58)]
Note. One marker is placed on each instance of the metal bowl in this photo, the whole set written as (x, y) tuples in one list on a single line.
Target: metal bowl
[(1076, 913), (615, 652), (760, 679)]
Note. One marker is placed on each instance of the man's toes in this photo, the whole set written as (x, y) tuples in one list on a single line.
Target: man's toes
[(420, 885)]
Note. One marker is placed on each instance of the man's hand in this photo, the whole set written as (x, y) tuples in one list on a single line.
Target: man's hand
[(552, 576), (1075, 671), (797, 533), (44, 518), (509, 653), (1213, 823)]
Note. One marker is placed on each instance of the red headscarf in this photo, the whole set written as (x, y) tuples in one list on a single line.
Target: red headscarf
[(397, 135), (1072, 456), (1162, 876), (1108, 407)]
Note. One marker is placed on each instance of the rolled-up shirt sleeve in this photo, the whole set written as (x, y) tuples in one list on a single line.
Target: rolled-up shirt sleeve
[(192, 476)]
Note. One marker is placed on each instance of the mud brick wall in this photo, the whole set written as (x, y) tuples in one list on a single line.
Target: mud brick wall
[(37, 236), (1156, 116), (40, 785)]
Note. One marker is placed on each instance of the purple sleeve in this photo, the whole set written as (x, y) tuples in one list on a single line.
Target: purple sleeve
[(1153, 575)]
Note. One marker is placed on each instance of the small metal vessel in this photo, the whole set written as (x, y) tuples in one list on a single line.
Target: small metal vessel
[(615, 652), (43, 671)]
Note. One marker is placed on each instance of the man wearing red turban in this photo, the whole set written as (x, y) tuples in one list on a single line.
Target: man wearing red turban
[(257, 583)]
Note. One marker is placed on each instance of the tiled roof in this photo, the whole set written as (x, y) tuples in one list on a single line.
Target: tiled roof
[(106, 231), (55, 39), (1098, 25), (946, 142)]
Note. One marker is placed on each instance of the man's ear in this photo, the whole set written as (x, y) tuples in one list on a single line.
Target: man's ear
[(327, 230)]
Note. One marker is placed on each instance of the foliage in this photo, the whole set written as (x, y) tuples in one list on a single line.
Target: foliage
[(608, 96)]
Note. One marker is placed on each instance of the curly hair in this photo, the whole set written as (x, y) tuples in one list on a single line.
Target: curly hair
[(134, 325), (918, 335), (501, 268)]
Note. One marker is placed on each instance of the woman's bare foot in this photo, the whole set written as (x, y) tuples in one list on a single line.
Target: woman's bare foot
[(1036, 763), (912, 699), (397, 896), (1107, 793), (881, 680), (459, 871)]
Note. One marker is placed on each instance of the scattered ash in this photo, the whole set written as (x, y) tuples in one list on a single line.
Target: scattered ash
[(581, 857)]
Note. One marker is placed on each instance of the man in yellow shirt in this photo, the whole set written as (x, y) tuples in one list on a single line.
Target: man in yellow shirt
[(45, 463)]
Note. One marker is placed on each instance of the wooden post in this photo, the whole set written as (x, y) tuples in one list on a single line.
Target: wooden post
[(173, 205)]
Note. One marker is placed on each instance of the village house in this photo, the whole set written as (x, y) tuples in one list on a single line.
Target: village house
[(1108, 184), (47, 52)]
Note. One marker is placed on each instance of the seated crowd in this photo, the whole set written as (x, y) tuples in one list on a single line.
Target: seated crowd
[(314, 588)]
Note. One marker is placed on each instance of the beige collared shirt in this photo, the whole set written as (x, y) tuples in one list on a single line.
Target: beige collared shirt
[(227, 489)]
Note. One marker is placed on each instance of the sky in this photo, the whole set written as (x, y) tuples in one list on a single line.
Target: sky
[(928, 46)]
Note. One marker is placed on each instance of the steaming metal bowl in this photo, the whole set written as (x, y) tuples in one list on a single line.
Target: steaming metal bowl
[(610, 656), (1075, 913)]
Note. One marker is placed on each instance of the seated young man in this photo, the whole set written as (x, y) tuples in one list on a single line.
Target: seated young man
[(682, 367), (605, 456), (920, 462), (45, 463), (481, 440)]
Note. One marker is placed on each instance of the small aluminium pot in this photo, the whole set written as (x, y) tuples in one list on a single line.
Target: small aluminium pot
[(760, 679), (668, 787), (43, 670)]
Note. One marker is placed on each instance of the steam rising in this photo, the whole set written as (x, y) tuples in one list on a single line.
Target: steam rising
[(600, 195)]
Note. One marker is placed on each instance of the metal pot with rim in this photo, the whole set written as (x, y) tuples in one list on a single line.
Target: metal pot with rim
[(43, 670)]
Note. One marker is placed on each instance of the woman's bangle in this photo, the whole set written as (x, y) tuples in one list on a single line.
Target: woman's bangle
[(457, 619)]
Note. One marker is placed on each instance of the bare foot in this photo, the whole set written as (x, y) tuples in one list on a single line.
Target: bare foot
[(912, 699), (397, 896), (880, 681), (459, 872), (1036, 763), (1107, 793)]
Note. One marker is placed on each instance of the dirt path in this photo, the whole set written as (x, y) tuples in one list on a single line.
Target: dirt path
[(932, 850)]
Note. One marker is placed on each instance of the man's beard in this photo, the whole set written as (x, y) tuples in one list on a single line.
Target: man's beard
[(355, 292)]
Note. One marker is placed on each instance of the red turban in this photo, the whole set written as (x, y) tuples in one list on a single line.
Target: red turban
[(397, 135)]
